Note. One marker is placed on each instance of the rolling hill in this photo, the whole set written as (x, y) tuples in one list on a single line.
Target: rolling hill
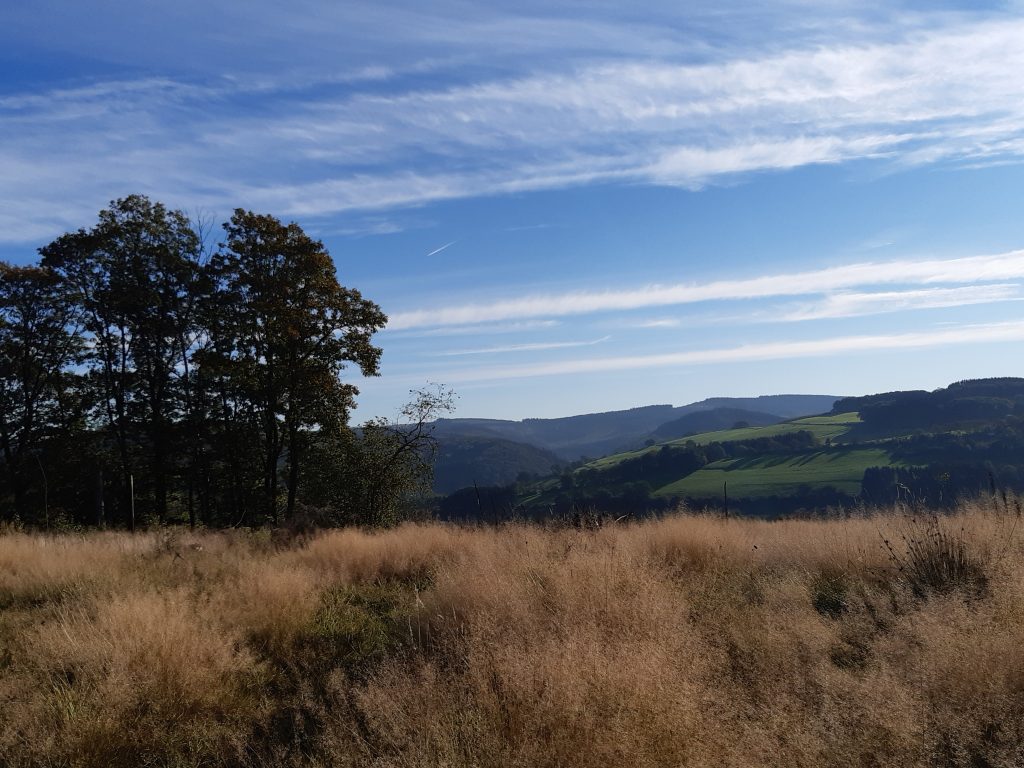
[(598, 434), (827, 427), (487, 461), (929, 447), (714, 419), (758, 476)]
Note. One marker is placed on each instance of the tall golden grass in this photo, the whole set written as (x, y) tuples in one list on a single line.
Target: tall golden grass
[(881, 639)]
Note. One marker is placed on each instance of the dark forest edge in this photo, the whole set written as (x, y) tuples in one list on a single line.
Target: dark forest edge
[(149, 377)]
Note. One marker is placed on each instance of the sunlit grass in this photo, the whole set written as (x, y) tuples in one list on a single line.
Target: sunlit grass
[(887, 639)]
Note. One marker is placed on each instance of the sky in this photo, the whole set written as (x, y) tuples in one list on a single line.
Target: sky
[(573, 207)]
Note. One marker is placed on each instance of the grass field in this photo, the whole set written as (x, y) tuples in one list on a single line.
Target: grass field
[(841, 468), (822, 427), (692, 641)]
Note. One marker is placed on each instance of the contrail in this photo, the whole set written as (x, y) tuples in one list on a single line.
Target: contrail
[(438, 250)]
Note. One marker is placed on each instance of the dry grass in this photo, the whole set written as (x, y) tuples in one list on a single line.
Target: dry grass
[(882, 640)]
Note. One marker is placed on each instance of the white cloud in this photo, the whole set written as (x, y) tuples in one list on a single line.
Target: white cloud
[(972, 269), (312, 147), (783, 350), (474, 330), (859, 304), (663, 322), (694, 166), (534, 347)]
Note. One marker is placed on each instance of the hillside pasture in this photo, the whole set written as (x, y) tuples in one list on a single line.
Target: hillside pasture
[(827, 427), (785, 475), (822, 427)]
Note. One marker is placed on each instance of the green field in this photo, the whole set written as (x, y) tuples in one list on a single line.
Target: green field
[(841, 468), (822, 427)]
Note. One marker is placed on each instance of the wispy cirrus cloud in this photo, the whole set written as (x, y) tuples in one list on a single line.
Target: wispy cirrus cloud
[(532, 347), (967, 270), (475, 330), (661, 322), (781, 350), (860, 304), (631, 112)]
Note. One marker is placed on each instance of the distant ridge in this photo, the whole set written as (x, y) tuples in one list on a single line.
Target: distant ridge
[(597, 434), (786, 406), (712, 420), (488, 461), (931, 448)]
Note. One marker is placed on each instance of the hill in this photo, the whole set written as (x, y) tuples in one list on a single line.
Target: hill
[(821, 428), (929, 447), (961, 405), (714, 419), (570, 437), (783, 406), (760, 476), (488, 461), (597, 434)]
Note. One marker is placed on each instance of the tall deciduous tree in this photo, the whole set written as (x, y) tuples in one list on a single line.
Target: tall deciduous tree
[(136, 273), (38, 342), (288, 329)]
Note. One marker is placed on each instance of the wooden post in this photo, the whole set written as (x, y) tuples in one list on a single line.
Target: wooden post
[(725, 497), (131, 491)]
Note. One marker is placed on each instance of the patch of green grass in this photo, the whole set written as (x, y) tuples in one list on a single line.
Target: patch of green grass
[(759, 476), (361, 623), (822, 427)]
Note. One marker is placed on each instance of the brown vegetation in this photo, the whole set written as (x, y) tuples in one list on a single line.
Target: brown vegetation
[(878, 640)]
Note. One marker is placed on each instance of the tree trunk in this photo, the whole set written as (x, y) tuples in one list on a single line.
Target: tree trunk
[(160, 479), (293, 472), (19, 494), (100, 512), (270, 480)]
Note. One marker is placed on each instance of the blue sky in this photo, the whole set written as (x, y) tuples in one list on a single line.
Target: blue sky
[(567, 208)]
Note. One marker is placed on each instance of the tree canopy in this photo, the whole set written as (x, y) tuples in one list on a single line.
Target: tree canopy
[(146, 377)]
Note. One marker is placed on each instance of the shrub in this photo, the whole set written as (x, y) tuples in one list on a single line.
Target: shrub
[(937, 560)]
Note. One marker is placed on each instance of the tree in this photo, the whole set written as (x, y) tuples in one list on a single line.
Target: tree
[(287, 331), (396, 461), (204, 384), (374, 474), (136, 274), (38, 341)]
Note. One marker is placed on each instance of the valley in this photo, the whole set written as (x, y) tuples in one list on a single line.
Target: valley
[(932, 447)]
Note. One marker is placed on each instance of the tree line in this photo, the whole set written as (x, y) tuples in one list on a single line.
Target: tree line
[(148, 377)]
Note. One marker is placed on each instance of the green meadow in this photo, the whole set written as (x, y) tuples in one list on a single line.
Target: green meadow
[(824, 428), (773, 475)]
